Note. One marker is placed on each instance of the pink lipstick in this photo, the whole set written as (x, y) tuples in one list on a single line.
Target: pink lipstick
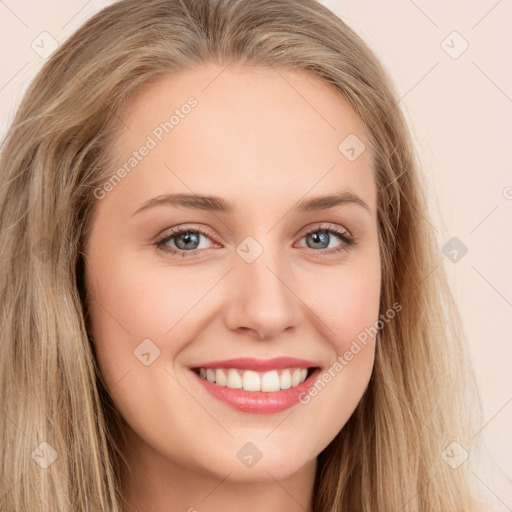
[(257, 385)]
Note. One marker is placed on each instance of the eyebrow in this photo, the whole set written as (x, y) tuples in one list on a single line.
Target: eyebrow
[(220, 205)]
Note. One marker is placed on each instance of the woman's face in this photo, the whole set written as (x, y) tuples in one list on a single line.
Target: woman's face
[(265, 277)]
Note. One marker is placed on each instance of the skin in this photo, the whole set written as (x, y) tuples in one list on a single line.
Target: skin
[(263, 140)]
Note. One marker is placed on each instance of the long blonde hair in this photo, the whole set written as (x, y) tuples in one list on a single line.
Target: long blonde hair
[(56, 153)]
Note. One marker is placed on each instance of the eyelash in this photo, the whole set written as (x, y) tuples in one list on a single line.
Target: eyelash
[(348, 241)]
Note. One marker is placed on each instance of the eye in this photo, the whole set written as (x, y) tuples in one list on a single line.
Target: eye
[(186, 240), (321, 236)]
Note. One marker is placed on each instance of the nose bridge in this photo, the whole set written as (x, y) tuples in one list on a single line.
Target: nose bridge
[(262, 284)]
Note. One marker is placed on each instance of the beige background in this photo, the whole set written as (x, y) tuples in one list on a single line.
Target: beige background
[(460, 111)]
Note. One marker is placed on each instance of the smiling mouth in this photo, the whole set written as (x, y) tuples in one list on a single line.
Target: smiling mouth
[(250, 380)]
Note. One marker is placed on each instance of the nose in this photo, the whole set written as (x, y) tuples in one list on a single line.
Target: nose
[(262, 297)]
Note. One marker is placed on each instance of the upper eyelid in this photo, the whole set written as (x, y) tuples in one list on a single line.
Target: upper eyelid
[(178, 230), (321, 226)]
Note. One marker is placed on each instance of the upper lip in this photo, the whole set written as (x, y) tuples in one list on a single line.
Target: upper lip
[(248, 363)]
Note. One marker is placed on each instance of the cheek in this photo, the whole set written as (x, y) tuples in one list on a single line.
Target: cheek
[(133, 301), (351, 312), (358, 307), (139, 323), (347, 304), (346, 299)]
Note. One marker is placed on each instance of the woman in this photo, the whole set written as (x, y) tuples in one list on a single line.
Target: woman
[(261, 368)]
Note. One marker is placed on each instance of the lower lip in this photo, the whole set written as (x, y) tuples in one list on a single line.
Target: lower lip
[(259, 402)]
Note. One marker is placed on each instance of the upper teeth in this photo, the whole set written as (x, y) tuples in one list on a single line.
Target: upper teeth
[(255, 381)]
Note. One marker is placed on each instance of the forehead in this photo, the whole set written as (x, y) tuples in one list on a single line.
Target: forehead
[(251, 131)]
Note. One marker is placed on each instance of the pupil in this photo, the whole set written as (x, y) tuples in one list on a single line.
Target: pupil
[(188, 238), (323, 237)]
